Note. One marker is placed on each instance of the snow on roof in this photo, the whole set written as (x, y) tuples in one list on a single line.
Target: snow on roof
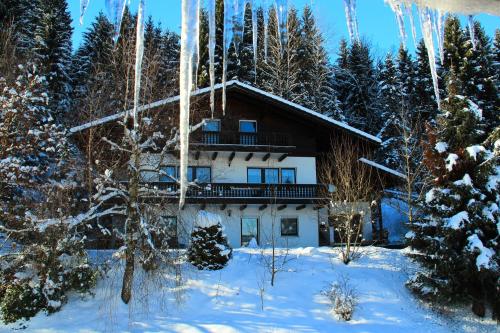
[(382, 167), (219, 86)]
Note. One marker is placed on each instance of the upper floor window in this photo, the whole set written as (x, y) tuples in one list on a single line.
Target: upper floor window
[(262, 176), (289, 226), (248, 131), (211, 130), (288, 176), (248, 126), (170, 174), (211, 125)]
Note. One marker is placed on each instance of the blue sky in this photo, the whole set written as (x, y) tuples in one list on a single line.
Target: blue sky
[(375, 20)]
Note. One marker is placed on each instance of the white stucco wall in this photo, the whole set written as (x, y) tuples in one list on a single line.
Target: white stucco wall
[(268, 218), (222, 172)]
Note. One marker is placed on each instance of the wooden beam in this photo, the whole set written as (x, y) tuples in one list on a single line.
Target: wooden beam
[(300, 207), (214, 155), (231, 157), (249, 156), (242, 207), (197, 155), (281, 207), (223, 206), (266, 157), (263, 207), (282, 157)]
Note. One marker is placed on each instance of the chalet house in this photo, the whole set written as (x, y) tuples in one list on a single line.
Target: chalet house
[(256, 166)]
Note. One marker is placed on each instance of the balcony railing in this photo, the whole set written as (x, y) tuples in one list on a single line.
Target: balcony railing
[(242, 138), (240, 190)]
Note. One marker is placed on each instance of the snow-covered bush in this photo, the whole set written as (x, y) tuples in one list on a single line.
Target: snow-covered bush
[(209, 248), (343, 298)]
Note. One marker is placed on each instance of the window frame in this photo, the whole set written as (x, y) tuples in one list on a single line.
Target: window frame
[(212, 120), (263, 175), (241, 228), (195, 172), (248, 120), (296, 218), (294, 176), (172, 180)]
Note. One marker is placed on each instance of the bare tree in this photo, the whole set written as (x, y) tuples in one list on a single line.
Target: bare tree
[(351, 189)]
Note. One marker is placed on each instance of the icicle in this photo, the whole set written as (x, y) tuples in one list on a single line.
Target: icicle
[(398, 7), (254, 36), (83, 8), (439, 27), (226, 43), (472, 32), (196, 55), (426, 25), (238, 23), (352, 24), (412, 24), (139, 51), (265, 13), (116, 9), (211, 52), (282, 15), (189, 44)]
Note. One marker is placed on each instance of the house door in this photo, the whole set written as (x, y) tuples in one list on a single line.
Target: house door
[(249, 230)]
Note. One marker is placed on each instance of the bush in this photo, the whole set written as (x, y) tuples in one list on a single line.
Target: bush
[(343, 298), (209, 248), (20, 301)]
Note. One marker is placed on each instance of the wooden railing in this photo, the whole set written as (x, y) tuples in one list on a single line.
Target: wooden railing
[(242, 138), (241, 190)]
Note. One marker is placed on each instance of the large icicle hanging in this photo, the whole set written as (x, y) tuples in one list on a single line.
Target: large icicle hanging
[(426, 26), (226, 43), (238, 24), (412, 24), (282, 15), (116, 9), (472, 31), (211, 52), (439, 28), (398, 8), (265, 14), (254, 36), (189, 45), (350, 15), (196, 56), (83, 8), (139, 52)]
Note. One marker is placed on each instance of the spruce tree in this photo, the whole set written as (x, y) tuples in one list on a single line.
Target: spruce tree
[(457, 241), (53, 52), (424, 99), (406, 79)]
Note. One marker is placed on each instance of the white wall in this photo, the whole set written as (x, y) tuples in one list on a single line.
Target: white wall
[(269, 217), (222, 172)]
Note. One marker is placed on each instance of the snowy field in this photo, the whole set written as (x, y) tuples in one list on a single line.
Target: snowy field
[(230, 300)]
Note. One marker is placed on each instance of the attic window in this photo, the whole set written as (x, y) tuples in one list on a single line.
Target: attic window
[(248, 126)]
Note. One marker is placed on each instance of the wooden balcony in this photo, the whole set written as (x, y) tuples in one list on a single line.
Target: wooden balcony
[(239, 192), (232, 140)]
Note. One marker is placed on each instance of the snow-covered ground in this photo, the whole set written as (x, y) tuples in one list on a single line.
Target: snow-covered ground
[(230, 300)]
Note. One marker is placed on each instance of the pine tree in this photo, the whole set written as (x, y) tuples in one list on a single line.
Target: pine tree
[(315, 71), (53, 52), (454, 45), (424, 99), (496, 57), (406, 78), (457, 241), (391, 107), (209, 248)]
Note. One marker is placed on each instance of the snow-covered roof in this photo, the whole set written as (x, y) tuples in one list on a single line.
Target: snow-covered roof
[(232, 83), (382, 167)]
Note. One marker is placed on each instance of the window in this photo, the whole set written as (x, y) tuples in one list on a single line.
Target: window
[(211, 125), (262, 176), (289, 226), (167, 232), (168, 174), (199, 174), (248, 132), (211, 130), (254, 176), (288, 176), (248, 126), (249, 230)]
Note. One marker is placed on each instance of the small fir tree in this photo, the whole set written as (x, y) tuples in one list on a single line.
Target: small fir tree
[(209, 248)]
